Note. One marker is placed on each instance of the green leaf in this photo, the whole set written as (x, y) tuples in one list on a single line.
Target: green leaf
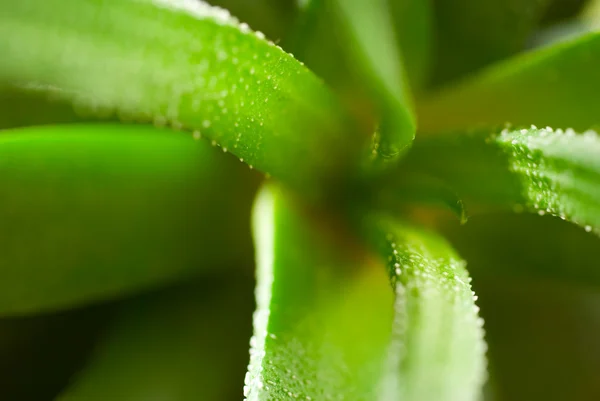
[(324, 309), (473, 33), (326, 323), (437, 351), (555, 86), (352, 44), (92, 212), (181, 345), (534, 170), (413, 21), (186, 65)]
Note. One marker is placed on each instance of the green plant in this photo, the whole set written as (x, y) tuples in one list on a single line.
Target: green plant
[(356, 298)]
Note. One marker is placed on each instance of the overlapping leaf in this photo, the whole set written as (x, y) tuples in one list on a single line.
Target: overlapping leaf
[(187, 65), (437, 351), (323, 314), (327, 327), (91, 212), (556, 86), (537, 170), (353, 45)]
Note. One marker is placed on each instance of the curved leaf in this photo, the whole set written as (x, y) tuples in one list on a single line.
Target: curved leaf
[(353, 45), (327, 327), (437, 351), (91, 212), (473, 33), (184, 64), (555, 86), (537, 170), (181, 345), (323, 314)]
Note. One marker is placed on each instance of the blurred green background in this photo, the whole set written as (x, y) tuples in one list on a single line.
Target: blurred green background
[(542, 325)]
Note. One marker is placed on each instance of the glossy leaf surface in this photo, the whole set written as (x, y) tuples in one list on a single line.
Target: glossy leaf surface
[(555, 86), (187, 65), (437, 351), (537, 170), (91, 212), (324, 309), (326, 324)]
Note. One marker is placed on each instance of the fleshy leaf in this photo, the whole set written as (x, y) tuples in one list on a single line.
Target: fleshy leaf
[(324, 310), (327, 327), (556, 86), (353, 45), (473, 33), (536, 170), (437, 351), (180, 345), (92, 212), (187, 65)]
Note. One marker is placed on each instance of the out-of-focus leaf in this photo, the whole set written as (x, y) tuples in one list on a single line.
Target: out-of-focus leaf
[(548, 249), (273, 17), (181, 345), (187, 65), (326, 324), (414, 190), (537, 280), (324, 310), (45, 350), (559, 11), (543, 339), (591, 14), (353, 45), (534, 170), (555, 86), (473, 33), (92, 212), (437, 351), (413, 20), (25, 106)]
